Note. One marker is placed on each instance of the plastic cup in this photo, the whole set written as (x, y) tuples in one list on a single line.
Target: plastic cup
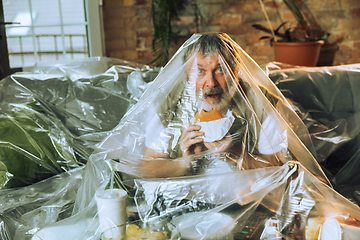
[(111, 205)]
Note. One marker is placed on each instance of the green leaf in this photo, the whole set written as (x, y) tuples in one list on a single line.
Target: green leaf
[(162, 13), (32, 147), (295, 11)]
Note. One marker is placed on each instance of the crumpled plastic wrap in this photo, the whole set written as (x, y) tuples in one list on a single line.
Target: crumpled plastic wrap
[(260, 135), (327, 101), (266, 133), (285, 202), (51, 118), (261, 181)]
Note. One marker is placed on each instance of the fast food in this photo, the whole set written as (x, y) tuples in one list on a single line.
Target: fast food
[(204, 116), (134, 232)]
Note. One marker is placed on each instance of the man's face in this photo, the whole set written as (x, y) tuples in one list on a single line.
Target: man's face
[(211, 86)]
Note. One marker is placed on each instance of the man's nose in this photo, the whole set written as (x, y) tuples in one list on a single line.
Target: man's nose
[(210, 80)]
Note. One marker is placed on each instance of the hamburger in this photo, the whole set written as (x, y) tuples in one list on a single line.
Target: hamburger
[(207, 116)]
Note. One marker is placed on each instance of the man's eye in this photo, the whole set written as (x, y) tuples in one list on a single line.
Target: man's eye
[(200, 71), (219, 70)]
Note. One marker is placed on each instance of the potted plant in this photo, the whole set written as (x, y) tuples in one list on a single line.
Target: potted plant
[(162, 13), (299, 45)]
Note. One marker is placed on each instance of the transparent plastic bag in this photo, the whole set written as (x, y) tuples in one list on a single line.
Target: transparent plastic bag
[(52, 117), (265, 132), (327, 101), (286, 203), (259, 136), (232, 179)]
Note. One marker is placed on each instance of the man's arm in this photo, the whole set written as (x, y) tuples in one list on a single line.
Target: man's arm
[(158, 164), (220, 145)]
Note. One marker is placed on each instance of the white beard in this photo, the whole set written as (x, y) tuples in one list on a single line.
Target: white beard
[(223, 105)]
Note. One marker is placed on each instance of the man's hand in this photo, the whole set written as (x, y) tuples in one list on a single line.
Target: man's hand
[(220, 145), (191, 141)]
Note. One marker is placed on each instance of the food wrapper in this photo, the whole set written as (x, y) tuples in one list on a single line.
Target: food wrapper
[(217, 129)]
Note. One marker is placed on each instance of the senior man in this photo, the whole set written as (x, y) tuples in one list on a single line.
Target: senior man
[(176, 144)]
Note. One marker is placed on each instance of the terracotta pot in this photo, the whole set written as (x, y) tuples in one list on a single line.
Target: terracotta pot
[(297, 53)]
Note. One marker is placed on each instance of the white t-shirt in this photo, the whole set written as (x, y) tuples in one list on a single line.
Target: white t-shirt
[(272, 139)]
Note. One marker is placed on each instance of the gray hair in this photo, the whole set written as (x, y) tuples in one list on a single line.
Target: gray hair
[(210, 43)]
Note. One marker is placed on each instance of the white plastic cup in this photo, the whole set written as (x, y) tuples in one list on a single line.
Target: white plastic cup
[(111, 205)]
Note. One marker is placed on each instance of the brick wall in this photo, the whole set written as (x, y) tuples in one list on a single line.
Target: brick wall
[(128, 28)]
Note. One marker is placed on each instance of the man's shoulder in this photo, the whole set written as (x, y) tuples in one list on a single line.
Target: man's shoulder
[(249, 92), (269, 95)]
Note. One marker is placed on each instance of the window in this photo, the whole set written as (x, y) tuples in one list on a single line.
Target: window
[(51, 30)]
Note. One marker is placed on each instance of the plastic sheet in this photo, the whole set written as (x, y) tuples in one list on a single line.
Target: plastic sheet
[(51, 118), (149, 142), (285, 202), (327, 101), (153, 128), (263, 172), (26, 210)]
